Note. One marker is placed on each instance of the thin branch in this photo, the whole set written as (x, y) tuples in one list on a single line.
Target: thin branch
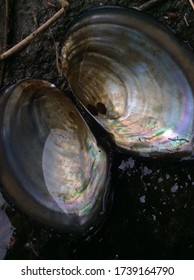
[(6, 20), (192, 4), (186, 21), (29, 38), (149, 5), (56, 44), (6, 31)]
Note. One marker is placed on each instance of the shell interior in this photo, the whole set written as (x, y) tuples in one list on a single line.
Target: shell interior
[(135, 77), (51, 166)]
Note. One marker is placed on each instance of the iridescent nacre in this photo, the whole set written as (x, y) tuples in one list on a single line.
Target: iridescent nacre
[(50, 164), (136, 77)]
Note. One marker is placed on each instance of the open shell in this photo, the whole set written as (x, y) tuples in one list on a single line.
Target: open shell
[(135, 77), (50, 164)]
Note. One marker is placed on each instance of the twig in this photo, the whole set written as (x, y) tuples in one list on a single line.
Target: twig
[(6, 20), (29, 38), (56, 44), (62, 2), (6, 31), (192, 4), (186, 21), (149, 5)]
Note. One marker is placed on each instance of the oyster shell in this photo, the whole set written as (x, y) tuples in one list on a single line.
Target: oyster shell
[(135, 77), (50, 164)]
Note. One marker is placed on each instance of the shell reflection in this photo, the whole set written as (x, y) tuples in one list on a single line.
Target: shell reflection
[(51, 166), (136, 79)]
